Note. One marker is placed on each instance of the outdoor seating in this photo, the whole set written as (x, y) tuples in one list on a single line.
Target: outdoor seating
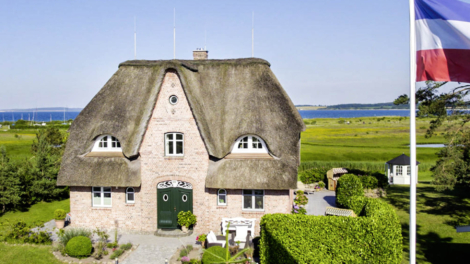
[(238, 221), (213, 240), (241, 234)]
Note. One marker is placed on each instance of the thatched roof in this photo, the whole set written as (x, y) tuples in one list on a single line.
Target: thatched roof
[(229, 98)]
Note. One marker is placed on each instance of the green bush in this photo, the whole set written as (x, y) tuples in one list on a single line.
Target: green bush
[(79, 247), (369, 182), (59, 214), (208, 256), (312, 175), (349, 185), (126, 246), (301, 198), (374, 238), (357, 203), (116, 254), (21, 233), (67, 235), (186, 218)]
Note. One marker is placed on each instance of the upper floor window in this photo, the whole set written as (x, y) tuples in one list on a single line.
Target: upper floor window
[(107, 143), (253, 199), (130, 195), (174, 144), (250, 144)]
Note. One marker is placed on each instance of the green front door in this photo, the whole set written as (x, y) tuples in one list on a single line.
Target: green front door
[(171, 201)]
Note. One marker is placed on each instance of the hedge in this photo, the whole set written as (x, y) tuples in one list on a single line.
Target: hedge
[(349, 185), (374, 238), (312, 175), (79, 247), (369, 182)]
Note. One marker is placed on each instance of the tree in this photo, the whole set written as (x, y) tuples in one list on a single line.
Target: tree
[(10, 191), (453, 165)]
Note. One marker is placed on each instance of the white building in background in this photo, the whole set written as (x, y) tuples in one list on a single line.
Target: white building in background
[(399, 170)]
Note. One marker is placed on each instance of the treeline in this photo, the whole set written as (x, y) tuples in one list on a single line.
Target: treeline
[(366, 106), (25, 182)]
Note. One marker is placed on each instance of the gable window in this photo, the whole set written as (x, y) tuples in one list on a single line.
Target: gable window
[(253, 200), (249, 144), (130, 195), (221, 197), (174, 144), (107, 143), (101, 196)]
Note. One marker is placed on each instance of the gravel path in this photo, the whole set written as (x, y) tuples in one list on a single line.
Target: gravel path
[(319, 201)]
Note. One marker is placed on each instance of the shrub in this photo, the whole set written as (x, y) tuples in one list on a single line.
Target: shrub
[(211, 254), (332, 239), (312, 175), (369, 182), (349, 185), (298, 210), (68, 234), (20, 232), (186, 218), (79, 247), (59, 214), (126, 246), (116, 254), (357, 203), (300, 198), (321, 184)]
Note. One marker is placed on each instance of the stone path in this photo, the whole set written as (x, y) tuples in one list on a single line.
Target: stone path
[(319, 201), (153, 249)]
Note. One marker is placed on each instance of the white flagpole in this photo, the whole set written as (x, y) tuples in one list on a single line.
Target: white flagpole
[(413, 178)]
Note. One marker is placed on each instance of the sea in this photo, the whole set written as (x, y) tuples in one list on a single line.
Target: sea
[(59, 115)]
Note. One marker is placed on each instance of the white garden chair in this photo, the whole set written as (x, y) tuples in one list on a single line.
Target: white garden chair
[(241, 234)]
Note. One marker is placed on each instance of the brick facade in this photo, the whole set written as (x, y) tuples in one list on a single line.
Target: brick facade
[(156, 167)]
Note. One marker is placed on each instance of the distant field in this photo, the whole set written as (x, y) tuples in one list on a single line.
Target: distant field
[(18, 147)]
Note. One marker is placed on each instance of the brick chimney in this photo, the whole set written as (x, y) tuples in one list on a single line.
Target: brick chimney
[(200, 54)]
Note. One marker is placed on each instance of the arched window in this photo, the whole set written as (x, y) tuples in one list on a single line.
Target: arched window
[(107, 143), (130, 195), (221, 197), (249, 144)]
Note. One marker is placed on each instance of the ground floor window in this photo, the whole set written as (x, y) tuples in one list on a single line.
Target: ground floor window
[(253, 199), (399, 170), (221, 197), (101, 196), (130, 195)]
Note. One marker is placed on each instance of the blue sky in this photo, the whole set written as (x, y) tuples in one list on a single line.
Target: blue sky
[(60, 53)]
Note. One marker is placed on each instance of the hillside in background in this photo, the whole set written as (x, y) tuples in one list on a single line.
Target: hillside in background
[(43, 109), (365, 106)]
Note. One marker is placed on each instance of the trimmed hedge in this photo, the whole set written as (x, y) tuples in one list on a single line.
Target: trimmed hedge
[(349, 185), (369, 182), (312, 175), (79, 247), (357, 203), (374, 238)]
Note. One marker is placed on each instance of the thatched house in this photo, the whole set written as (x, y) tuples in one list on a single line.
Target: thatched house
[(218, 137)]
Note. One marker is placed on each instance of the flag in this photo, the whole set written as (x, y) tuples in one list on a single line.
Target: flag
[(442, 40)]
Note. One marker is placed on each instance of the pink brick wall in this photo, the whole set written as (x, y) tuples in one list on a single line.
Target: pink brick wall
[(192, 168)]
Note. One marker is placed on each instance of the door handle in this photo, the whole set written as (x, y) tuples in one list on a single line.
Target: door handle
[(175, 208)]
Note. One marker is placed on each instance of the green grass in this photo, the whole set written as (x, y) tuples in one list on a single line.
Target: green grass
[(32, 254), (18, 148)]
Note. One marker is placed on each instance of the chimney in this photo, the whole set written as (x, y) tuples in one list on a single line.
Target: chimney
[(200, 54)]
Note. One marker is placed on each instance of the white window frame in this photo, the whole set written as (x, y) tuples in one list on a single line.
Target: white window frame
[(101, 192), (408, 170), (109, 142), (399, 171), (219, 194), (173, 141), (253, 195), (128, 192), (250, 149)]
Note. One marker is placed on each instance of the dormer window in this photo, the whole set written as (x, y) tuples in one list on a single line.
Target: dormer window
[(249, 144), (107, 143)]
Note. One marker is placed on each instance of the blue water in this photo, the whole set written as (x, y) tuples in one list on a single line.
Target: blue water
[(46, 116), (351, 113), (38, 116)]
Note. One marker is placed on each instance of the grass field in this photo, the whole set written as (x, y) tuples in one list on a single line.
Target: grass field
[(17, 143), (31, 254)]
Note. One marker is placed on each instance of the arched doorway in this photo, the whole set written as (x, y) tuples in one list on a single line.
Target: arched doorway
[(172, 198)]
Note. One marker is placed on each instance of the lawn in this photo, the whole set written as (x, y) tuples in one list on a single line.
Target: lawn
[(36, 254), (17, 143)]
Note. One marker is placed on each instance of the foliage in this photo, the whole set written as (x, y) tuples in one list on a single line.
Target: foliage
[(298, 209), (369, 182), (79, 247), (20, 232), (10, 184), (357, 203), (374, 238), (126, 246), (100, 248), (116, 254), (300, 198), (59, 214), (186, 218), (37, 254), (71, 233), (312, 175), (217, 254), (349, 185), (321, 184), (201, 238)]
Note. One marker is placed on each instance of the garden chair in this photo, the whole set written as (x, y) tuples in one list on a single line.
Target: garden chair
[(213, 240), (241, 234)]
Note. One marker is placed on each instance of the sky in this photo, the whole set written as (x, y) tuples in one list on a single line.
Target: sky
[(61, 53)]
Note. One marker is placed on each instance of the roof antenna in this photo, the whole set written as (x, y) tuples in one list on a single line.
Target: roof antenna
[(253, 35), (174, 33), (135, 38)]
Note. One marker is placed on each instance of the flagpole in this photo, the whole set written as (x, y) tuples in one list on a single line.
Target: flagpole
[(413, 169)]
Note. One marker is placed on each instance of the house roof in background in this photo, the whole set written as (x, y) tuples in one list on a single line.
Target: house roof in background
[(401, 160)]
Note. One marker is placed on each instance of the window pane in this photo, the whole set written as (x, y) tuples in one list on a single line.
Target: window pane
[(118, 144), (258, 202), (130, 197), (107, 189), (179, 147), (96, 199), (96, 189), (107, 200), (247, 191), (258, 192), (221, 191), (130, 189), (179, 136), (169, 136), (247, 202), (170, 148), (222, 199)]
